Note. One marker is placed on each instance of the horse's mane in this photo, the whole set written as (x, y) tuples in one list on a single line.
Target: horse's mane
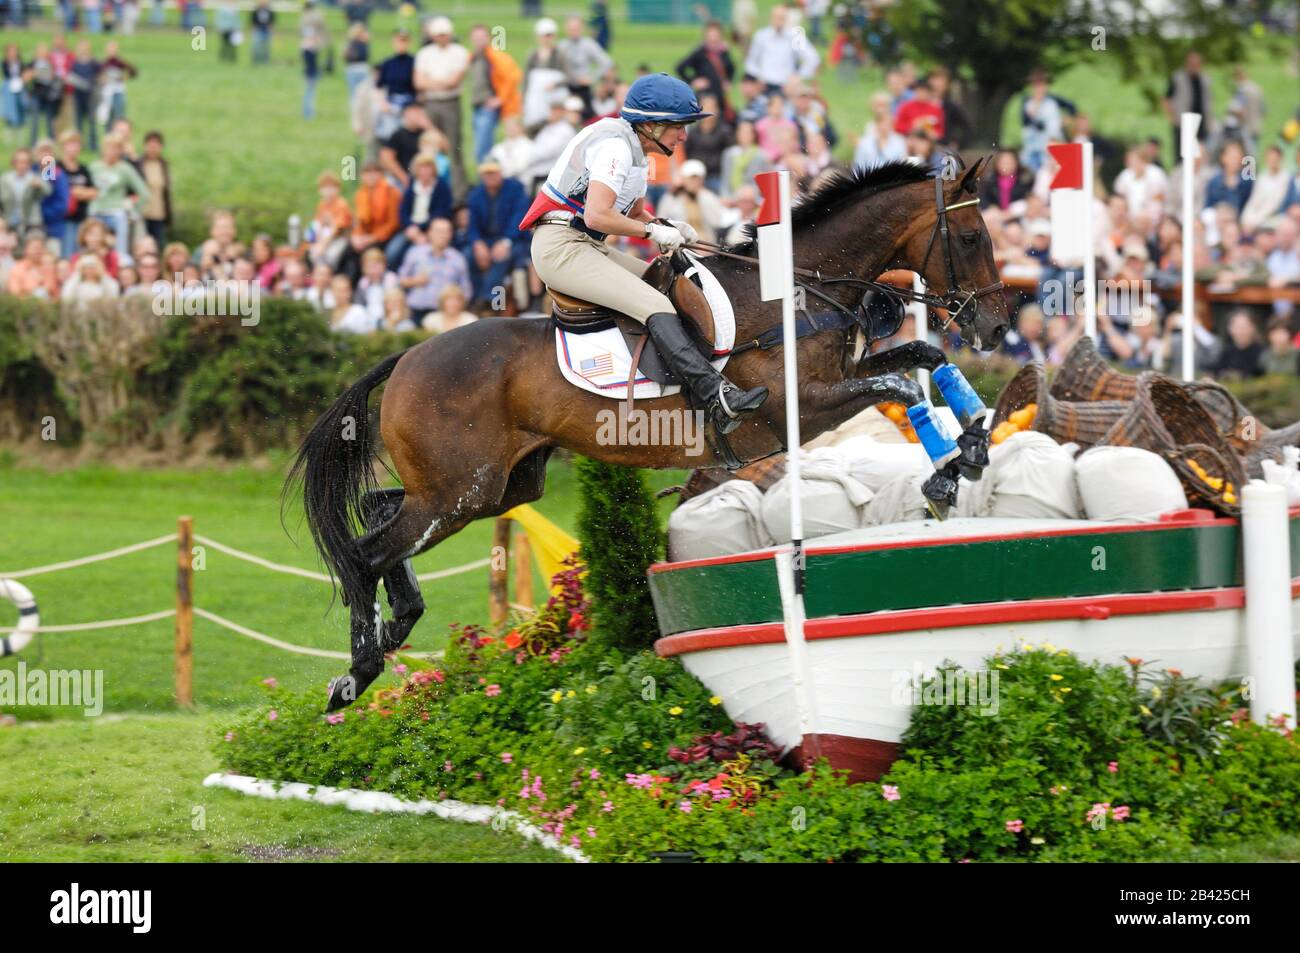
[(839, 187)]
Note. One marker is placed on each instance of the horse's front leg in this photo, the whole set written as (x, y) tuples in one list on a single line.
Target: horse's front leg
[(905, 357), (832, 404)]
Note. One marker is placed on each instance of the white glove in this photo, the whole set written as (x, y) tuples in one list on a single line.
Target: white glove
[(667, 237), (689, 235)]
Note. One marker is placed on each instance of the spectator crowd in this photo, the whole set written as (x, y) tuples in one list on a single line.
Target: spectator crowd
[(456, 134)]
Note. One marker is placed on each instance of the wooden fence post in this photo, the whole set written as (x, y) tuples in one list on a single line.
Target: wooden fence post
[(523, 559), (185, 612), (499, 572)]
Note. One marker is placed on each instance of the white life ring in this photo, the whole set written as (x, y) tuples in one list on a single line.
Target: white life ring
[(29, 617)]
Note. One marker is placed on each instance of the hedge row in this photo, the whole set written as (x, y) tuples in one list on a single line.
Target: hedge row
[(119, 376)]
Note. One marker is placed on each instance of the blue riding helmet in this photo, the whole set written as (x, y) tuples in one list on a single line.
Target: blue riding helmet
[(661, 98)]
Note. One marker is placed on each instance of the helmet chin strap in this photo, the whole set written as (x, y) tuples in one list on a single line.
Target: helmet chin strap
[(644, 130)]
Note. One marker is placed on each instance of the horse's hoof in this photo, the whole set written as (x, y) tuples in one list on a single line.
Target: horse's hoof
[(342, 692)]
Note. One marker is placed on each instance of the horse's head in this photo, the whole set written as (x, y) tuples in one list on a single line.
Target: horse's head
[(951, 249)]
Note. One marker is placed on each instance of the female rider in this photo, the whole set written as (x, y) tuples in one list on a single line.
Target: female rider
[(597, 188)]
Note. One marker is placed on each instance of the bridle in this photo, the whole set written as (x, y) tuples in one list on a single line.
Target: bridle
[(955, 300)]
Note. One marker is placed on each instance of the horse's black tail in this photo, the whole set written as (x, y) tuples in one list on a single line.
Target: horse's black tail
[(334, 468)]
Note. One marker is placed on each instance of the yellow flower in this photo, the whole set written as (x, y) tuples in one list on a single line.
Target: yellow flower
[(1056, 678), (1064, 690), (1026, 647), (1144, 709), (1064, 653), (715, 700), (1005, 668), (606, 750), (571, 694), (1037, 840), (591, 689), (675, 710), (1156, 692), (578, 751), (557, 696), (1049, 647), (647, 745)]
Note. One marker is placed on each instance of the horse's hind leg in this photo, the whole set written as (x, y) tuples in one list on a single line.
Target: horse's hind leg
[(404, 598)]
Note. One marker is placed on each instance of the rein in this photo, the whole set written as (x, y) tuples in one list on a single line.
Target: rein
[(955, 300)]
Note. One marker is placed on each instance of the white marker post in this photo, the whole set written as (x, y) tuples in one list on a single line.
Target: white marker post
[(1267, 555), (776, 280), (1090, 256), (1189, 149)]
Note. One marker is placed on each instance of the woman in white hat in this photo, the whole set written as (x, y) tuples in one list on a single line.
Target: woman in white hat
[(597, 188), (545, 76), (694, 202)]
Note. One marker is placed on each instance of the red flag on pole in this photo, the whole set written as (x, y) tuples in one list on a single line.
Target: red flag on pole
[(772, 231), (1069, 156)]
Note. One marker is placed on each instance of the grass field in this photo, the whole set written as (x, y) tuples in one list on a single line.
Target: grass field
[(236, 138), (123, 787), (52, 517)]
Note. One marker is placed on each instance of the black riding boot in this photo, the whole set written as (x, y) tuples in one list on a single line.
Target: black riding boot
[(723, 401)]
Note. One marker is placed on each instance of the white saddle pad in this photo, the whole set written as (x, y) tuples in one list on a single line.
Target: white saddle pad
[(600, 362)]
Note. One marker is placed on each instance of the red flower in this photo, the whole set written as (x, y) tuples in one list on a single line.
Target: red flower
[(514, 640)]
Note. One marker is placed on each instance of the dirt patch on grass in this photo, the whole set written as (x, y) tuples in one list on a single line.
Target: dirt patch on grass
[(277, 853)]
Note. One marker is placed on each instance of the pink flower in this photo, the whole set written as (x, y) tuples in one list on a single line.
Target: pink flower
[(1099, 809), (685, 807), (400, 669), (230, 736), (482, 681), (575, 840), (335, 719), (448, 766), (889, 792), (1016, 826), (608, 807), (492, 691), (507, 757), (594, 775), (1113, 767), (1121, 812), (270, 682), (964, 860), (591, 833), (272, 715), (438, 676)]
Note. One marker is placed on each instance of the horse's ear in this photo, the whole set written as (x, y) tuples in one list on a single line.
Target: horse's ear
[(970, 181)]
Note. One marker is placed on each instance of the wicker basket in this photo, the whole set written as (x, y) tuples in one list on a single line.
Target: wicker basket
[(1165, 419), (1085, 376), (1081, 423), (762, 473)]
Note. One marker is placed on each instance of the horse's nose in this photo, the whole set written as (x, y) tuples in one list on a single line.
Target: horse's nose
[(996, 336)]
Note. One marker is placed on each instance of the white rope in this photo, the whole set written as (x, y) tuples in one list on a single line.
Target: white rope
[(106, 624), (454, 570), (321, 577), (98, 557), (262, 637), (259, 561)]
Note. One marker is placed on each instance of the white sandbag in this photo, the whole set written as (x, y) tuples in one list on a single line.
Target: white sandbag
[(1126, 483), (724, 521), (832, 498), (879, 464), (898, 501), (1029, 476)]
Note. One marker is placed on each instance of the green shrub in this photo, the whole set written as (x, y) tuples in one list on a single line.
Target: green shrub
[(620, 535), (569, 739)]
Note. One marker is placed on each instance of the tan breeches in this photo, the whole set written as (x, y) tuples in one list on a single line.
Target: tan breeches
[(574, 263)]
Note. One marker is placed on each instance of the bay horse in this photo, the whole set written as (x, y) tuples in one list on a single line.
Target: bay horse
[(470, 417)]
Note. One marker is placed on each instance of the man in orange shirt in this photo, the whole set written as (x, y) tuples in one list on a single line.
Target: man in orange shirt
[(378, 218)]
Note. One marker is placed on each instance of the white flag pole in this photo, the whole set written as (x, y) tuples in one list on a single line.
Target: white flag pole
[(790, 565), (920, 324), (1189, 149), (1090, 254)]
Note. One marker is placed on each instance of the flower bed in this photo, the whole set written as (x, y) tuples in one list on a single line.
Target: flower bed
[(624, 756)]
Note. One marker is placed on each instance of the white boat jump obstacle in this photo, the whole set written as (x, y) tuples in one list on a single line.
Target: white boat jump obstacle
[(29, 617)]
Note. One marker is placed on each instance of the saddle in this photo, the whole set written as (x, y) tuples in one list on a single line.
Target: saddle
[(667, 275)]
